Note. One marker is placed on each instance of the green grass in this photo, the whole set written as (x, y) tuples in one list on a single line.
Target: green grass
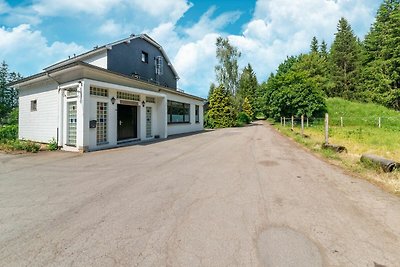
[(360, 134)]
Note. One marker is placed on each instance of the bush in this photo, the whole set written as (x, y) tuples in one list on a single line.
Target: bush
[(13, 145), (8, 132), (52, 145), (243, 118), (208, 122)]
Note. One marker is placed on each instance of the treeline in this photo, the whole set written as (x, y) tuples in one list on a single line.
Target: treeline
[(8, 95), (365, 71)]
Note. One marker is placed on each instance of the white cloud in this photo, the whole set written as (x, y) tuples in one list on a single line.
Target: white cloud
[(207, 24), (71, 7), (29, 50), (195, 63), (165, 10), (110, 28)]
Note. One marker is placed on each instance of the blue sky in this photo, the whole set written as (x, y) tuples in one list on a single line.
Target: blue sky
[(35, 34)]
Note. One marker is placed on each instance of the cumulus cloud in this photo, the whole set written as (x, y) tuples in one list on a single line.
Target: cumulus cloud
[(207, 24), (72, 7), (23, 48), (195, 63)]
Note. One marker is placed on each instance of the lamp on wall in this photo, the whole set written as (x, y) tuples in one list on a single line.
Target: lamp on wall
[(113, 100), (143, 103)]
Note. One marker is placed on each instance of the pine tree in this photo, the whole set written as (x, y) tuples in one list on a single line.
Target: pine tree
[(314, 45), (8, 95), (248, 86), (344, 61), (247, 108), (381, 57), (324, 49), (221, 112)]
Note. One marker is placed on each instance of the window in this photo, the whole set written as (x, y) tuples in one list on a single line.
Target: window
[(101, 126), (128, 96), (98, 91), (159, 65), (196, 115), (71, 123), (178, 112), (34, 105), (145, 57), (150, 99)]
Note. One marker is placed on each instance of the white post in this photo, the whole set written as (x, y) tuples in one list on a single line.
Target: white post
[(379, 122), (307, 122), (341, 121), (302, 125), (326, 128), (281, 121), (284, 122), (292, 123)]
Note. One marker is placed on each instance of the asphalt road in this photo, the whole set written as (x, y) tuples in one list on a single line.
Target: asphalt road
[(231, 197)]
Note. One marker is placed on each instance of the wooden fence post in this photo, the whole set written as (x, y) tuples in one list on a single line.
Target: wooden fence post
[(284, 122), (292, 123), (302, 125), (281, 121), (326, 128), (379, 122), (341, 121), (307, 122)]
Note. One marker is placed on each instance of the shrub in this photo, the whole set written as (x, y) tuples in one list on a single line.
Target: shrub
[(52, 145), (8, 132), (243, 118)]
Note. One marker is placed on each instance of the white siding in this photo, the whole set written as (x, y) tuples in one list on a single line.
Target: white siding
[(99, 60), (186, 127), (40, 125)]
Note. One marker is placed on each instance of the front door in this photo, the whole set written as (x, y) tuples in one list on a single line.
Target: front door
[(127, 122)]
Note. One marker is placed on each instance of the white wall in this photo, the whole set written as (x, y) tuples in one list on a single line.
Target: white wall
[(40, 125), (186, 127), (99, 60)]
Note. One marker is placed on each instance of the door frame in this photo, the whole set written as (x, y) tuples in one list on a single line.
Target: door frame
[(132, 104)]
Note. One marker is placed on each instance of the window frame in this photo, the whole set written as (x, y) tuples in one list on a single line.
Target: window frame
[(145, 57), (197, 114), (181, 109), (33, 105)]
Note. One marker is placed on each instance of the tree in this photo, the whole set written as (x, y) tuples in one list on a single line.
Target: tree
[(380, 78), (293, 91), (344, 59), (8, 95), (247, 108), (248, 85), (324, 49), (314, 45), (221, 112), (227, 71)]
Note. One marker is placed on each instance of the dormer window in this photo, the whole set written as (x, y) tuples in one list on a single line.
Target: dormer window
[(145, 57)]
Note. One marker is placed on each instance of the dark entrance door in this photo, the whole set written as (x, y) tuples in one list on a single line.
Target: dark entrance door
[(127, 122)]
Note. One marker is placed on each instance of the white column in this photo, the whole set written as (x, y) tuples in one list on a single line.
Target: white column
[(60, 117)]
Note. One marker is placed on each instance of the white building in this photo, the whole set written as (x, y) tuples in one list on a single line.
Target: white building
[(121, 92)]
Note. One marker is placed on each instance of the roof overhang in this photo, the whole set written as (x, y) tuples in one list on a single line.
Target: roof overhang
[(81, 70)]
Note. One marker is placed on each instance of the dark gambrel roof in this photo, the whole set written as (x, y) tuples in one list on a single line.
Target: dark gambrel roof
[(109, 46)]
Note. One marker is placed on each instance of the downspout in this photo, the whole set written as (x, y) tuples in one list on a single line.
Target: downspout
[(58, 105)]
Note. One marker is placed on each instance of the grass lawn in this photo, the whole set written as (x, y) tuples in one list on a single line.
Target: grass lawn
[(360, 134)]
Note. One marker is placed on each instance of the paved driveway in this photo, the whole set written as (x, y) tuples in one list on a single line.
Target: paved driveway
[(231, 197)]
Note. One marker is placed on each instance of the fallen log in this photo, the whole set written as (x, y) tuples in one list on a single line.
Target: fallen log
[(336, 148), (387, 165)]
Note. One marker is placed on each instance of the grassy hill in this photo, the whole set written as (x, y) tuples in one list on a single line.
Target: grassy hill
[(360, 134), (362, 114)]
